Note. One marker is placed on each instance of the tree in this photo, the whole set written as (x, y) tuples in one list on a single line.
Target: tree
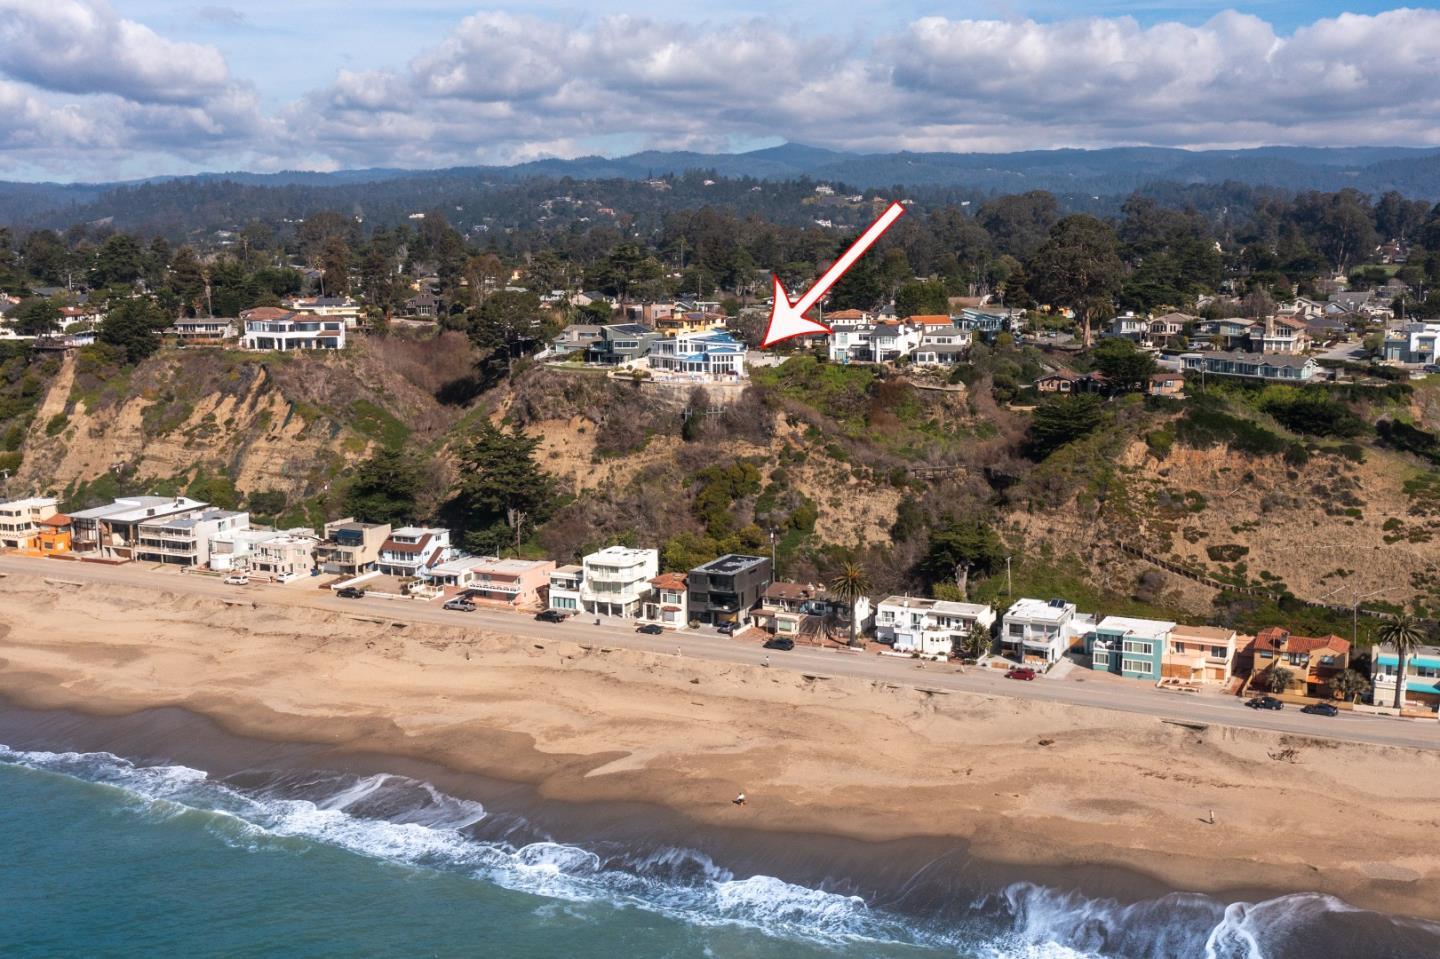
[(1063, 419), (1078, 266), (37, 317), (1406, 636), (960, 548), (1274, 679), (1018, 223), (134, 325), (922, 298), (119, 260), (1124, 365), (1349, 685), (335, 265), (972, 645), (385, 488), (500, 479), (849, 585), (508, 324)]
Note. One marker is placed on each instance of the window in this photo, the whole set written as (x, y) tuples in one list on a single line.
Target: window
[(1136, 646), (1136, 666)]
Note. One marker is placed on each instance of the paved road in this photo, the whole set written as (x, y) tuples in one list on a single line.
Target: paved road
[(1102, 692)]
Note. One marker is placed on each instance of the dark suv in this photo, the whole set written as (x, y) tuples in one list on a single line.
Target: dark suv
[(550, 616), (1265, 702), (350, 592)]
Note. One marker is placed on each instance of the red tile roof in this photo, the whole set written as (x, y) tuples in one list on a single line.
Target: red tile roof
[(930, 319), (674, 581)]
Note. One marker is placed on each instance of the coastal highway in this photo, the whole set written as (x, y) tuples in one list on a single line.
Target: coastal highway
[(1081, 688)]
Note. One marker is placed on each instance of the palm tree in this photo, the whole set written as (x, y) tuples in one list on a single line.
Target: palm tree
[(849, 586), (1349, 685), (1405, 635)]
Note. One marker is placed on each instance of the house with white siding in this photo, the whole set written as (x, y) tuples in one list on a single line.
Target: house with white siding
[(928, 626)]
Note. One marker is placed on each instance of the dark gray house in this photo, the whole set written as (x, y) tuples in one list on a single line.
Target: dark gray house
[(725, 590), (622, 343)]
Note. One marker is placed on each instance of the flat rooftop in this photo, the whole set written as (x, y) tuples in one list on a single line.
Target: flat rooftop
[(1042, 610), (134, 508), (1140, 627), (731, 563)]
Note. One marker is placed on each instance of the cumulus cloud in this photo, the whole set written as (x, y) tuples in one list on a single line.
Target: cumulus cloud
[(500, 87)]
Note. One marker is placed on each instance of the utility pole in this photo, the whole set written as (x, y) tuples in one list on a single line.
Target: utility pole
[(774, 566), (1009, 583)]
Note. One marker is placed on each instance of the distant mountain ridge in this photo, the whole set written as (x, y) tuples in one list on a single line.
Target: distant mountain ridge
[(1107, 172)]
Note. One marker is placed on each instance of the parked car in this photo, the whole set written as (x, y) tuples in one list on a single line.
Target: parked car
[(1020, 672), (237, 579), (651, 629), (783, 643), (1431, 368), (461, 605), (1322, 709), (1264, 702), (350, 592), (550, 616), (727, 628)]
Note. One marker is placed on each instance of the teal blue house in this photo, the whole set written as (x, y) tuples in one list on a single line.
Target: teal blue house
[(1133, 648), (1422, 676)]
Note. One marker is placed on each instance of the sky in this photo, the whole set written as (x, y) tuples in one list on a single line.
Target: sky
[(116, 89)]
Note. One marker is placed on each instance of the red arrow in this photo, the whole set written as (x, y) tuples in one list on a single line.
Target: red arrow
[(787, 317)]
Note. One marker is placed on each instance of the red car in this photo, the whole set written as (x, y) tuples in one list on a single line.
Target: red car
[(1021, 672)]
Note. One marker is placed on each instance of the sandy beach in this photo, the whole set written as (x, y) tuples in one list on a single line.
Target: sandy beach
[(1019, 782)]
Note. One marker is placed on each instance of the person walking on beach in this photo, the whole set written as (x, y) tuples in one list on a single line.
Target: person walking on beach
[(767, 661), (740, 799)]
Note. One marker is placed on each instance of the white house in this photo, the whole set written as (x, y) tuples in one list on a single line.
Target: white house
[(1039, 629), (232, 549), (928, 626), (1413, 343), (270, 328), (285, 555), (410, 550), (115, 528), (20, 520), (617, 580), (708, 356), (185, 540), (942, 346), (892, 341), (565, 588)]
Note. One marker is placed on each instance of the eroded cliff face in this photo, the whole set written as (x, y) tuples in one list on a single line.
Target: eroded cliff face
[(1330, 529), (286, 423)]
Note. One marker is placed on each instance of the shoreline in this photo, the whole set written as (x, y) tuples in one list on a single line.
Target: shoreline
[(596, 744)]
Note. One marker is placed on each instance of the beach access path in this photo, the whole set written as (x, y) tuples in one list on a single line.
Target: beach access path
[(1100, 692)]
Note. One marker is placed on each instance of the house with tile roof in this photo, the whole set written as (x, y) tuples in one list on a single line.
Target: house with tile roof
[(668, 602), (1312, 660)]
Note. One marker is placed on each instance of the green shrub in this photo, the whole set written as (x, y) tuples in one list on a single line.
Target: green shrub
[(57, 424)]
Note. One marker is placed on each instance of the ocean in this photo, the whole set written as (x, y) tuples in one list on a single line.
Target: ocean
[(101, 856)]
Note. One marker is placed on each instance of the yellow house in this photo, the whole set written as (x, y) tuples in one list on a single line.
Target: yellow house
[(678, 323)]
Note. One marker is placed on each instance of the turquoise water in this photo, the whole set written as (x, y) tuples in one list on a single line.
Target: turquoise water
[(100, 857)]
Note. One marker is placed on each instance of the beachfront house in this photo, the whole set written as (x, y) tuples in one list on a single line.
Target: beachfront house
[(942, 346), (668, 602), (185, 540), (203, 330), (285, 555), (112, 530), (1422, 677), (727, 588), (616, 580), (515, 583), (330, 308), (565, 588), (348, 548), (1133, 648), (410, 550), (916, 624), (1199, 654), (20, 521), (1040, 632), (807, 609), (1311, 660)]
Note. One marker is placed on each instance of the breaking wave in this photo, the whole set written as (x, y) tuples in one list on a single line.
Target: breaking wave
[(409, 822)]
